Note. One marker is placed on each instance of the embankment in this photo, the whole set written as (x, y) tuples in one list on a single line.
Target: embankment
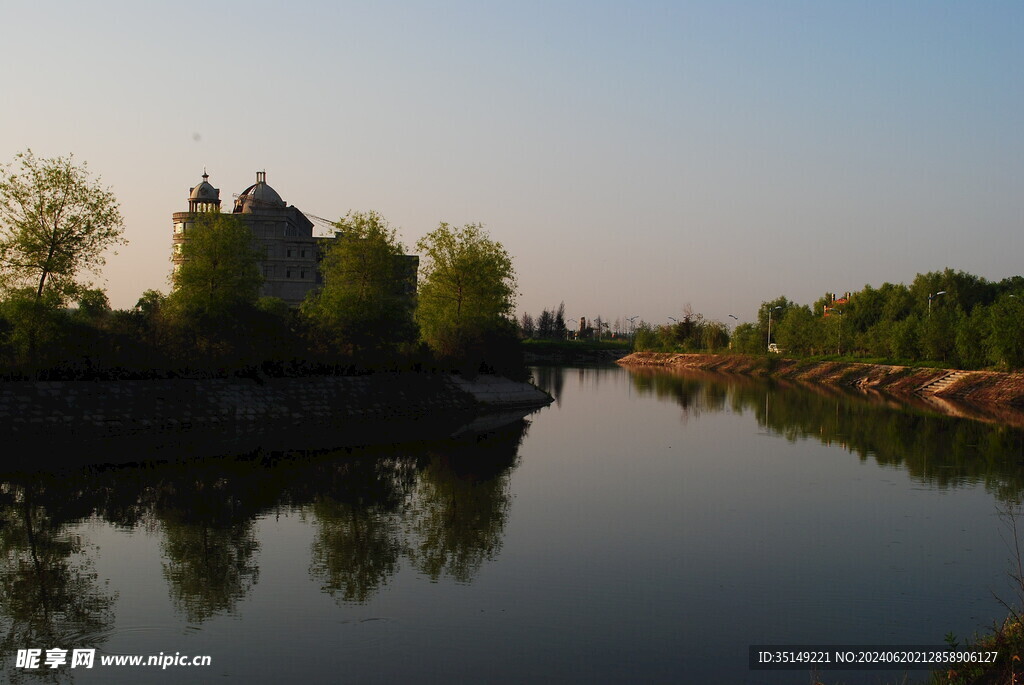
[(976, 387), (77, 422)]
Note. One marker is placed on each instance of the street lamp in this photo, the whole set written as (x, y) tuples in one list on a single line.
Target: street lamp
[(770, 310), (672, 318), (931, 296), (632, 325)]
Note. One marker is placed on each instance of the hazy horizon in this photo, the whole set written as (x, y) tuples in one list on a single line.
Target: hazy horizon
[(632, 159)]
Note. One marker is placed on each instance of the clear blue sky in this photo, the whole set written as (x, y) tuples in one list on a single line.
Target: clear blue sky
[(632, 157)]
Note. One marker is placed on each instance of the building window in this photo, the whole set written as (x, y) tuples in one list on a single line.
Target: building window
[(288, 273), (305, 254), (290, 252), (304, 274)]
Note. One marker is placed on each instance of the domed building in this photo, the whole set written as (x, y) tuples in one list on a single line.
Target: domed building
[(283, 234)]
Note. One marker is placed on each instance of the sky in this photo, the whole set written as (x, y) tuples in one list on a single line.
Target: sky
[(634, 158)]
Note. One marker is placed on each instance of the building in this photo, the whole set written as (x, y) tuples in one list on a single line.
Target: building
[(836, 302), (284, 235)]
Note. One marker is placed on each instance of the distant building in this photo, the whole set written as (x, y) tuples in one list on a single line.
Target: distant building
[(836, 302), (284, 235)]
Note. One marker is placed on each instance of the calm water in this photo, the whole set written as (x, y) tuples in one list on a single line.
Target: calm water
[(646, 527)]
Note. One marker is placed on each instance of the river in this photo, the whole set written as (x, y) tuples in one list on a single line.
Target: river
[(645, 527)]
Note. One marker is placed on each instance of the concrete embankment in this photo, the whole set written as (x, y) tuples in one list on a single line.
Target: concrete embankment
[(55, 421), (978, 387)]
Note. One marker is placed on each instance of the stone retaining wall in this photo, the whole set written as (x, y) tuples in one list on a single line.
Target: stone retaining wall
[(240, 414)]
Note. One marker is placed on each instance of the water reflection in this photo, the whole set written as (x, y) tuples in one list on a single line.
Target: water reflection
[(441, 505), (49, 592), (460, 509), (940, 450)]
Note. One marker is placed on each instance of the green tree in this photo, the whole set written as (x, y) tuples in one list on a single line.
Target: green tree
[(799, 332), (1006, 331), (971, 345), (903, 338), (467, 291), (55, 224), (645, 338), (365, 302), (747, 339), (220, 267), (209, 314), (558, 325), (714, 336)]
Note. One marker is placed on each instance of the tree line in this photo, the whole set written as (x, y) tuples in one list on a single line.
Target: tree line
[(949, 317), (57, 222), (690, 333), (549, 325)]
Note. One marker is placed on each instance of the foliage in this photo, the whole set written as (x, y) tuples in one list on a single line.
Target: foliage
[(467, 289), (219, 269), (208, 316), (32, 333), (364, 303), (526, 326), (550, 325), (944, 318), (645, 339), (1005, 340), (747, 339), (55, 224)]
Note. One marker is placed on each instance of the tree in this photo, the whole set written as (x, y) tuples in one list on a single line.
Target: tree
[(219, 269), (467, 290), (526, 326), (55, 224), (1006, 331), (216, 287), (558, 324), (546, 325), (748, 339), (364, 302)]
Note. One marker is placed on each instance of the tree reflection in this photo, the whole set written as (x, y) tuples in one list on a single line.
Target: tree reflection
[(461, 507), (440, 506), (49, 591), (942, 450), (443, 509), (358, 544), (209, 544), (550, 379)]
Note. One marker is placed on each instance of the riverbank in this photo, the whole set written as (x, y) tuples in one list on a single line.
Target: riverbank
[(573, 352), (976, 387), (75, 422)]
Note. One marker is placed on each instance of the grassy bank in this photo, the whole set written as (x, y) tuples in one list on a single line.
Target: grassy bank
[(574, 351)]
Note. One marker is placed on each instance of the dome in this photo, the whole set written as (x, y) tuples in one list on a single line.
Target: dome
[(204, 197), (204, 192), (259, 196)]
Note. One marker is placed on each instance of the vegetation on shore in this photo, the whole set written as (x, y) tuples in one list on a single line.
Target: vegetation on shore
[(943, 318), (56, 222)]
